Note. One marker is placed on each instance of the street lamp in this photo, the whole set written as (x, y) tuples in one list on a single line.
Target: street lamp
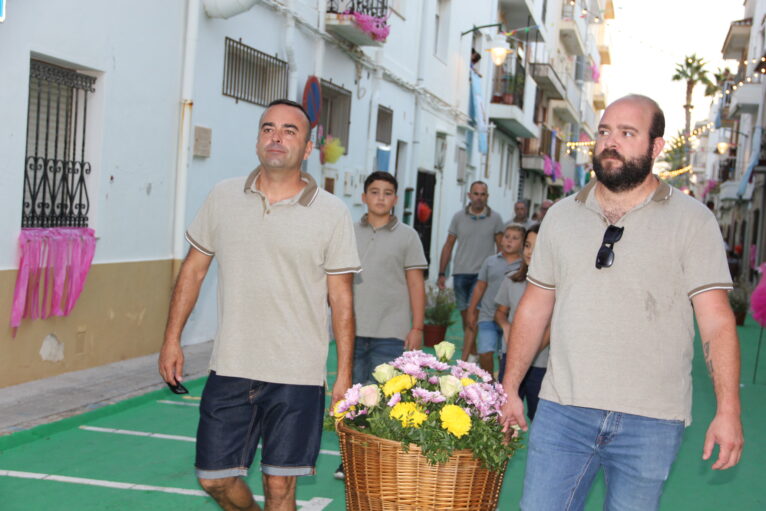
[(499, 48)]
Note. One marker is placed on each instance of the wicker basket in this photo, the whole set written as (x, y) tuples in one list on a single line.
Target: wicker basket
[(380, 476)]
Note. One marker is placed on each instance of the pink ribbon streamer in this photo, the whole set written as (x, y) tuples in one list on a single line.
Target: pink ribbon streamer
[(547, 165), (56, 260), (568, 184)]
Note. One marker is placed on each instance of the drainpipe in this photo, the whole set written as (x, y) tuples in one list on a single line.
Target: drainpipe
[(417, 123), (292, 66), (226, 8), (184, 138), (320, 43), (372, 125)]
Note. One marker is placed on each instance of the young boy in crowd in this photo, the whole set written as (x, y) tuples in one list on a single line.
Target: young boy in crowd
[(507, 300), (482, 307), (389, 293)]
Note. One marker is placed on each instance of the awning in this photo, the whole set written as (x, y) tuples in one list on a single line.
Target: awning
[(754, 157)]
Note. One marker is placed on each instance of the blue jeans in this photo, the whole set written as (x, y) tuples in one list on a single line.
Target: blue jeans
[(464, 284), (370, 352), (568, 445), (489, 338), (235, 413)]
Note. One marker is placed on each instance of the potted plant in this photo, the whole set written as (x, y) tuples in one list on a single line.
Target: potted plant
[(740, 303), (426, 436), (440, 304)]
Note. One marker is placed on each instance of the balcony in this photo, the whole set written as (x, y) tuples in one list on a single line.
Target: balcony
[(548, 80), (737, 38), (572, 30), (599, 100), (589, 121), (745, 99), (517, 13), (574, 93), (604, 54), (344, 18)]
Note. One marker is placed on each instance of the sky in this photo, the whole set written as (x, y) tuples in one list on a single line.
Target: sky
[(649, 37)]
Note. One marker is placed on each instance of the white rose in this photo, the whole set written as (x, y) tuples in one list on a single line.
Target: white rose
[(384, 372), (449, 385), (444, 350), (369, 395)]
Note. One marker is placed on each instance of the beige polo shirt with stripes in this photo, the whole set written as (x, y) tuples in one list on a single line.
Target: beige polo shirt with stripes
[(381, 296), (622, 337), (273, 262)]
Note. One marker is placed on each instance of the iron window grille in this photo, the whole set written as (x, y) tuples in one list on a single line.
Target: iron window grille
[(335, 115), (55, 170), (251, 75), (377, 8)]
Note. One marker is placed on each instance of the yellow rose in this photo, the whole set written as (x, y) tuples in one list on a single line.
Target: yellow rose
[(384, 372), (398, 384), (444, 350), (449, 385), (409, 414), (466, 381), (455, 420)]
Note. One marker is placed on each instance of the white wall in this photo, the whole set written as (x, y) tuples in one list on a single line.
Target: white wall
[(132, 124)]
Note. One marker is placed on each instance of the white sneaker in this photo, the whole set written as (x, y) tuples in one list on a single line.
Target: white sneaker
[(339, 474)]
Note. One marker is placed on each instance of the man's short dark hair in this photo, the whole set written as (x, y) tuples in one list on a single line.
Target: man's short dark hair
[(478, 183), (293, 104), (381, 176)]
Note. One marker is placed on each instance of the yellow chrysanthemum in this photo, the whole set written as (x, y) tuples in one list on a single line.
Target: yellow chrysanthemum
[(455, 420), (466, 381), (340, 414), (409, 414), (398, 384)]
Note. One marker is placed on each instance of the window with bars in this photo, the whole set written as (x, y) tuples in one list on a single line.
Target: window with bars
[(251, 75), (56, 171), (385, 125), (335, 116)]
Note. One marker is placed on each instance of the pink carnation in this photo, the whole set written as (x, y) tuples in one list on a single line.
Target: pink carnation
[(427, 396), (394, 399)]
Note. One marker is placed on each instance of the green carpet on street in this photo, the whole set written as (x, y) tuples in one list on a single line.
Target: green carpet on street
[(138, 455)]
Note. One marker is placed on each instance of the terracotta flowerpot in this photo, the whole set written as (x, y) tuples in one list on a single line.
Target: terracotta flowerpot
[(433, 334)]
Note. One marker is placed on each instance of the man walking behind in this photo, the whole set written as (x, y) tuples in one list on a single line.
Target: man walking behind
[(478, 231), (621, 268), (521, 215), (284, 247)]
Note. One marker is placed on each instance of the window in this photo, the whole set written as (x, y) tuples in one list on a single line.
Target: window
[(462, 162), (336, 112), (253, 76), (385, 125), (56, 171), (441, 30)]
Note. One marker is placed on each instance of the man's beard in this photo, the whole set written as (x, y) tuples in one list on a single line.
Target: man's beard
[(632, 173)]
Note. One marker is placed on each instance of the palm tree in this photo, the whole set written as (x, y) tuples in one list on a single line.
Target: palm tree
[(720, 77), (692, 70)]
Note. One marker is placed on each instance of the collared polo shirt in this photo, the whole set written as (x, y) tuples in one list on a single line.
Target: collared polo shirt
[(622, 337), (381, 295), (509, 295), (273, 262), (493, 271), (475, 238)]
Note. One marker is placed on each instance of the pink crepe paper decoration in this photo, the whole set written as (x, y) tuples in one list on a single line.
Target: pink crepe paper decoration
[(556, 170), (55, 261), (547, 165), (568, 184), (758, 299), (377, 28), (595, 73)]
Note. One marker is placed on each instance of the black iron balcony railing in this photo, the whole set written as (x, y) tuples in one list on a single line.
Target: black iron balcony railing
[(508, 89), (376, 8)]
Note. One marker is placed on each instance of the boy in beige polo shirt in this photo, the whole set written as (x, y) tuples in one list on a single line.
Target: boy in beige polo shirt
[(284, 248), (389, 295)]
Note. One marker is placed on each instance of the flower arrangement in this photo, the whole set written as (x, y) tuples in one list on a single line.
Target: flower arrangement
[(420, 399)]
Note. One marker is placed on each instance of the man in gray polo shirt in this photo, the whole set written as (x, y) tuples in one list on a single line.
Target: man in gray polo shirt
[(478, 231), (622, 268), (284, 248), (521, 215)]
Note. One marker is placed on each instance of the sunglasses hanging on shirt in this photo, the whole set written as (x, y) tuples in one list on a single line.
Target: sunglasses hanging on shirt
[(605, 256)]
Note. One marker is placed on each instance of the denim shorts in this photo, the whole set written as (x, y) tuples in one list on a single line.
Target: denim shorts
[(464, 284), (569, 445), (370, 352), (489, 338), (237, 413)]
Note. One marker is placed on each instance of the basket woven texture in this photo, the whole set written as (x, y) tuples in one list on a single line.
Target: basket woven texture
[(380, 476)]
